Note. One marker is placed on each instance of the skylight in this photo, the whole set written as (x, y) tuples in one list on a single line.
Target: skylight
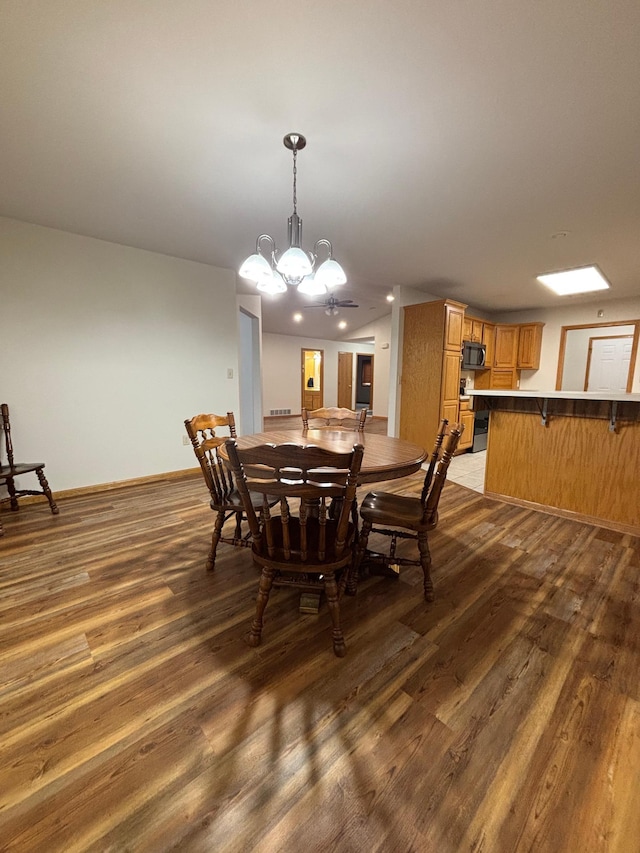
[(571, 282)]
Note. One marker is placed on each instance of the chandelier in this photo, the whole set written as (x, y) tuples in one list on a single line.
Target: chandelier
[(272, 271)]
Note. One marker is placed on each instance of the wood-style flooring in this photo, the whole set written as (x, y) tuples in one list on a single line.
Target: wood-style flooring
[(505, 716)]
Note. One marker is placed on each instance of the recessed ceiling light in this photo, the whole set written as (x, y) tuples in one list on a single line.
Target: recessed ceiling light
[(570, 282), (297, 318), (390, 297), (342, 324)]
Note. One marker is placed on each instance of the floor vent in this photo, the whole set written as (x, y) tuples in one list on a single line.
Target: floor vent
[(280, 412)]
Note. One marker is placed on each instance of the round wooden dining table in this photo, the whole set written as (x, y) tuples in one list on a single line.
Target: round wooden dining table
[(385, 457)]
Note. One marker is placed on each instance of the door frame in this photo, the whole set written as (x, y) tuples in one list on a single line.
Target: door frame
[(595, 326)]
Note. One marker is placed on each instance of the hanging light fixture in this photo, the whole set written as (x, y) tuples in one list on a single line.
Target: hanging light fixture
[(294, 267)]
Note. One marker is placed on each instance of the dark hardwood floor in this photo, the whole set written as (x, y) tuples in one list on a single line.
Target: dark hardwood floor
[(505, 716)]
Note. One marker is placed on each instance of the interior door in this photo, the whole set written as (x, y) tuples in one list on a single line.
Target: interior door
[(312, 373), (608, 364), (345, 380)]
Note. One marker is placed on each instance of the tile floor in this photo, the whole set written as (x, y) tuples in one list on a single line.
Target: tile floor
[(468, 470)]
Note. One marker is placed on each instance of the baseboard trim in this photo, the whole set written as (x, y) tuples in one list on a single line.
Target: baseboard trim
[(118, 484), (619, 527)]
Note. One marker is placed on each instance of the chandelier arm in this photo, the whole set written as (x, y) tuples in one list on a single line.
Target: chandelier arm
[(265, 237), (323, 242)]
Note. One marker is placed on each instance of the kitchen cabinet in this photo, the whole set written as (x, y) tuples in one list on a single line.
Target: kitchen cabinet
[(489, 339), (472, 329), (466, 418), (503, 379), (529, 346), (506, 346), (453, 320), (430, 377)]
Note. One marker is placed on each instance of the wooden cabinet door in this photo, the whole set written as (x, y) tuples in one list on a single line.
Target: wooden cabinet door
[(450, 412), (489, 339), (312, 399), (466, 439), (506, 346), (450, 377), (476, 330), (504, 380), (467, 325), (530, 345), (453, 323)]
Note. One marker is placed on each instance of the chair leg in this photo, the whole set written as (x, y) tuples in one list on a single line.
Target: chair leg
[(11, 488), (425, 562), (363, 539), (266, 582), (215, 538), (44, 485), (331, 590)]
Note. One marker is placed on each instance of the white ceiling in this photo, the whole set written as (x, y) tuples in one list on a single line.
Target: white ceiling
[(448, 140)]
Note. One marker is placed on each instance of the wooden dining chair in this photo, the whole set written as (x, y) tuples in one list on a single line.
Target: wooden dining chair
[(414, 516), (334, 417), (10, 469), (299, 543), (225, 499)]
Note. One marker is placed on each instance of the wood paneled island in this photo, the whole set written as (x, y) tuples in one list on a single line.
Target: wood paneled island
[(573, 453)]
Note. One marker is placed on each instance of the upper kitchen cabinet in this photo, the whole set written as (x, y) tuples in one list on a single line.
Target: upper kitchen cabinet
[(453, 324), (472, 329), (529, 346), (430, 384), (506, 346), (489, 341)]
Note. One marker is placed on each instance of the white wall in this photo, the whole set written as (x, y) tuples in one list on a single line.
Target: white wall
[(281, 362), (568, 315), (380, 331), (106, 350)]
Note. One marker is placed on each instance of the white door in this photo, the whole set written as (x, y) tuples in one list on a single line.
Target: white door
[(608, 364)]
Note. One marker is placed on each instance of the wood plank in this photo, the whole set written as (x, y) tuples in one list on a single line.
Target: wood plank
[(503, 716)]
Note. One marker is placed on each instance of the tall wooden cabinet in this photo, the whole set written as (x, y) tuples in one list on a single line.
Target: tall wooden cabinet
[(430, 384)]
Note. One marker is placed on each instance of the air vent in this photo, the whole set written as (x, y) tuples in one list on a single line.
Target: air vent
[(280, 412)]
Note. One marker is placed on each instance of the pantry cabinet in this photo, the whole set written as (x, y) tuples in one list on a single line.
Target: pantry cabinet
[(430, 375)]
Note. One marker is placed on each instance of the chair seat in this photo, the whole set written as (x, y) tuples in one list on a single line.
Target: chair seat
[(387, 509), (233, 502), (20, 468)]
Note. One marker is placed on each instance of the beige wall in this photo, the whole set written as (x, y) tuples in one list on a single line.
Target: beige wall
[(107, 349)]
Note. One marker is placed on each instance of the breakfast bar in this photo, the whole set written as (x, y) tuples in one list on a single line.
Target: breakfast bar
[(576, 454)]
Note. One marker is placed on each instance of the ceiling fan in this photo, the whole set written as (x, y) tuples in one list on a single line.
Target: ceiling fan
[(332, 304)]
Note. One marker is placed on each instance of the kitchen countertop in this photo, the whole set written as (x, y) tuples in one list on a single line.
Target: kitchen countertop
[(611, 396)]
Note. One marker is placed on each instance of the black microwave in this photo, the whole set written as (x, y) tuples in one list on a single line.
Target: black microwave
[(473, 356)]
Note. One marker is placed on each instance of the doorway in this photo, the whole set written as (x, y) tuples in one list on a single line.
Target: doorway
[(364, 381), (250, 388), (608, 363), (312, 373), (345, 380), (574, 351)]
